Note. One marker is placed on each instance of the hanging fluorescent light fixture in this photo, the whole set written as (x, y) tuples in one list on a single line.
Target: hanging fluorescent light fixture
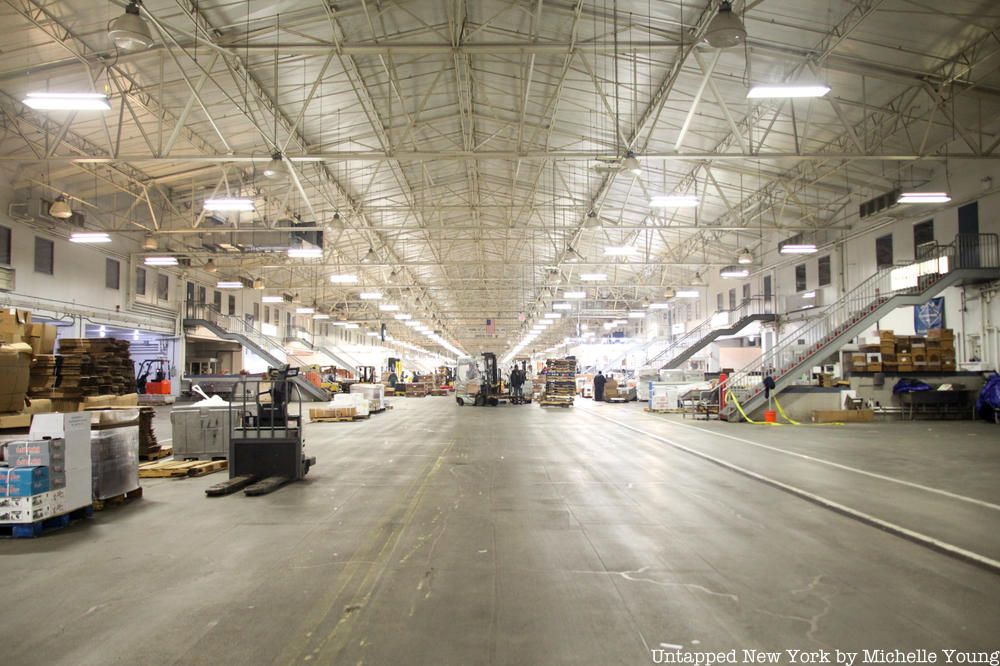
[(372, 334), (674, 201), (129, 31), (553, 315), (388, 307), (562, 306), (305, 252), (228, 284), (370, 296), (593, 277), (229, 204), (620, 251), (659, 306), (574, 294), (89, 238), (352, 326), (305, 310), (726, 30), (923, 197), (785, 91), (320, 315), (402, 316), (343, 279), (730, 272), (272, 299), (797, 248), (160, 261), (636, 314), (44, 101), (686, 293)]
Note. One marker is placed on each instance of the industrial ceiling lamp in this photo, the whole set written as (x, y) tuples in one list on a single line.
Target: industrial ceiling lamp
[(210, 266), (745, 257), (275, 168), (60, 208), (631, 164), (296, 298), (150, 243), (698, 281), (669, 292), (258, 283), (370, 256), (592, 221), (336, 223), (726, 30), (129, 31)]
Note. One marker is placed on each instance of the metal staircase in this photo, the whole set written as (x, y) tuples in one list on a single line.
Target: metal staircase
[(235, 329), (340, 358), (970, 258), (689, 344)]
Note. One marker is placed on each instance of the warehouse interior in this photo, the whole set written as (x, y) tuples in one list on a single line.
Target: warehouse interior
[(500, 332)]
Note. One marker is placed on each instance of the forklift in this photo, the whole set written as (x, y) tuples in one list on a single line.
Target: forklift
[(366, 374), (159, 384), (489, 388), (266, 446)]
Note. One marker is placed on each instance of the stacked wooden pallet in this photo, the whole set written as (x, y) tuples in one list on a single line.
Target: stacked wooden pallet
[(177, 469)]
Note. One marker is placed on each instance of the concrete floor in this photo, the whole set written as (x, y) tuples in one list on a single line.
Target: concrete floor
[(433, 534)]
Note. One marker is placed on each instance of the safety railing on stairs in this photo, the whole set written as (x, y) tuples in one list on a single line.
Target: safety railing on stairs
[(748, 307), (968, 251), (236, 325)]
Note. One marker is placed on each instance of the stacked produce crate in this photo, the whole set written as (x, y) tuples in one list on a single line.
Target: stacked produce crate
[(908, 353), (560, 381)]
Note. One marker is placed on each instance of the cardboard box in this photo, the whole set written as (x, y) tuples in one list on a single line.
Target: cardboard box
[(23, 481), (36, 452), (34, 507), (75, 430), (15, 372), (874, 367), (940, 334), (14, 325)]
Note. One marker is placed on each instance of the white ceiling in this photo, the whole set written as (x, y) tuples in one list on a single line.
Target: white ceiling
[(460, 139)]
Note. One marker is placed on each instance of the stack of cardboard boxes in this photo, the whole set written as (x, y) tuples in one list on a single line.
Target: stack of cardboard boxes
[(15, 364), (49, 473), (908, 353)]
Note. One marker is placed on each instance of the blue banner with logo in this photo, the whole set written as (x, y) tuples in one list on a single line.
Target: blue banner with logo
[(929, 315)]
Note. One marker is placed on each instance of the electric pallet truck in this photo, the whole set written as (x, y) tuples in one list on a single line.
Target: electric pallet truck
[(265, 448)]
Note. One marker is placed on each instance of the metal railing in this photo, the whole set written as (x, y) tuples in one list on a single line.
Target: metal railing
[(968, 251), (748, 307), (236, 325)]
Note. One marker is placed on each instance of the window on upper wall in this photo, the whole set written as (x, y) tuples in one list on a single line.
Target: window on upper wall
[(923, 232), (190, 292), (824, 277), (800, 277), (883, 251), (140, 281), (4, 245), (768, 288), (44, 256), (267, 314), (746, 292), (217, 301), (718, 301), (163, 287), (112, 274), (232, 304), (202, 293), (256, 311), (732, 298)]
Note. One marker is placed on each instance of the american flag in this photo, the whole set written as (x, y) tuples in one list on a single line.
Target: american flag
[(491, 326)]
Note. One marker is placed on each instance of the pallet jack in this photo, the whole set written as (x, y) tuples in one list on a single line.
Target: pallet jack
[(265, 448)]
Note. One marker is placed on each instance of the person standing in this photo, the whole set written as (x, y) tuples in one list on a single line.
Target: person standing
[(516, 382), (599, 381)]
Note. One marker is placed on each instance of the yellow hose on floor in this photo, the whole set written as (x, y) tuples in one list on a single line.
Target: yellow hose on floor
[(781, 411)]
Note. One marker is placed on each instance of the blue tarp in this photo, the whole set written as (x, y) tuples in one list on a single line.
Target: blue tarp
[(909, 386), (989, 397)]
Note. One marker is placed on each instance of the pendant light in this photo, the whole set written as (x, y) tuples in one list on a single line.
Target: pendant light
[(337, 223), (275, 168), (258, 283), (726, 30), (60, 208), (150, 243), (209, 266), (745, 257), (129, 31), (698, 281), (370, 256)]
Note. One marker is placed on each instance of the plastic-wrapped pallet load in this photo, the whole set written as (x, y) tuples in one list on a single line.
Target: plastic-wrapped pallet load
[(356, 400), (373, 393), (560, 381), (115, 456)]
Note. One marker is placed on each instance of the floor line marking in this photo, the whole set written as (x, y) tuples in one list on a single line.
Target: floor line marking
[(892, 528), (876, 475)]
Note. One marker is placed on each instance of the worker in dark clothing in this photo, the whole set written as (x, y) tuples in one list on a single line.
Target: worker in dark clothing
[(516, 382), (599, 386), (393, 379)]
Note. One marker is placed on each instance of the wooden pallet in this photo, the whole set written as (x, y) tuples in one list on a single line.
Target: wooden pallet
[(101, 504), (40, 527), (362, 417), (164, 452), (616, 400), (179, 469), (669, 410), (333, 419), (549, 403)]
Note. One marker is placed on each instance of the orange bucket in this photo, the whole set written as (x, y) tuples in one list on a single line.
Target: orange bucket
[(770, 416)]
